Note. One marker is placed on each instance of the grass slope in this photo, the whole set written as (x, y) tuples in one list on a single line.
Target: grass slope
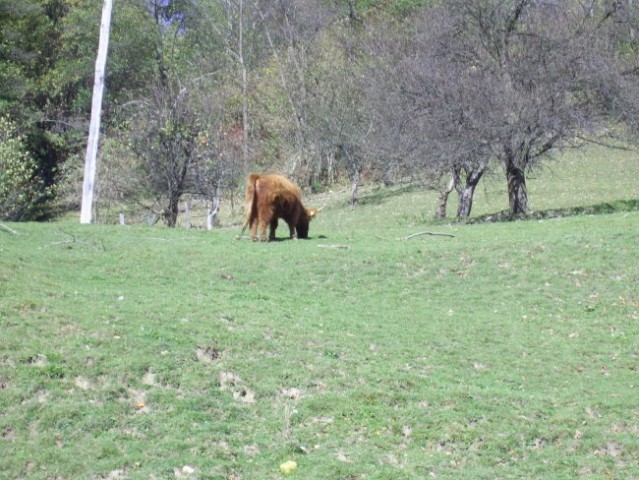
[(507, 351)]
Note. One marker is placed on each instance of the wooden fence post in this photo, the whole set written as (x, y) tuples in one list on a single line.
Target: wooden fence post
[(187, 217)]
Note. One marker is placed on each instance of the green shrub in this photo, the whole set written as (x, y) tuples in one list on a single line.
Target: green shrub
[(21, 190)]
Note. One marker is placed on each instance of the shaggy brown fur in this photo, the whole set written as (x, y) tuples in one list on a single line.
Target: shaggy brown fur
[(269, 197)]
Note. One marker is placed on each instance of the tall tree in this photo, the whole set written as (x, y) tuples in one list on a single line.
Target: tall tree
[(168, 140), (339, 127), (292, 30)]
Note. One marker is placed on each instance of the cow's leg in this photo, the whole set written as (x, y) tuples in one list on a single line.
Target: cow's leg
[(263, 218), (273, 227), (293, 230), (295, 217), (253, 229), (262, 229)]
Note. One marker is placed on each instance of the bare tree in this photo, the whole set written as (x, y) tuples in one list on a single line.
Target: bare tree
[(239, 36), (508, 81), (428, 110), (177, 148), (339, 125), (618, 84), (293, 30)]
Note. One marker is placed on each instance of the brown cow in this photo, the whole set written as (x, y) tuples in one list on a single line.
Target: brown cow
[(269, 197)]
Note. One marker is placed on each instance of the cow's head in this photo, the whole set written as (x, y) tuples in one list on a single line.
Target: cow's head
[(303, 223)]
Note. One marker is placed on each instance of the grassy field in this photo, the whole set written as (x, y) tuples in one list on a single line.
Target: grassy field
[(507, 350)]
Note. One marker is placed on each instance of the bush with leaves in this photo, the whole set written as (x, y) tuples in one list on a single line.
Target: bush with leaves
[(20, 188)]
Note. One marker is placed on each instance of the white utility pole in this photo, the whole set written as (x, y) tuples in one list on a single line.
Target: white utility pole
[(86, 213)]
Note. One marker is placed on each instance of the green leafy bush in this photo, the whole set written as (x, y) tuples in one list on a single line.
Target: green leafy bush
[(21, 190)]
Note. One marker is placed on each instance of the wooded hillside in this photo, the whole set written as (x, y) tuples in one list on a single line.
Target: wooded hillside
[(200, 92)]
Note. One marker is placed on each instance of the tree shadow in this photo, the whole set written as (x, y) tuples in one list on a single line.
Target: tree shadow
[(381, 194), (596, 209)]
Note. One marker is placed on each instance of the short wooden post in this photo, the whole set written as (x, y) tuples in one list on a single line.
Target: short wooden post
[(187, 217), (211, 213)]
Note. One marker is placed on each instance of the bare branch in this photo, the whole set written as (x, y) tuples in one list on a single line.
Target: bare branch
[(10, 230), (428, 233)]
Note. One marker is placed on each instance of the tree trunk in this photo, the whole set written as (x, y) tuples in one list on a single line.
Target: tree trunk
[(473, 176), (465, 201), (176, 188), (330, 168), (443, 195), (245, 118), (355, 188), (297, 115), (517, 195), (211, 213), (171, 211)]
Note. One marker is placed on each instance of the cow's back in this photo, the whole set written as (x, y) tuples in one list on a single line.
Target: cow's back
[(279, 186)]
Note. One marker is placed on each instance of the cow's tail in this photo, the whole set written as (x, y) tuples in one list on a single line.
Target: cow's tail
[(250, 202)]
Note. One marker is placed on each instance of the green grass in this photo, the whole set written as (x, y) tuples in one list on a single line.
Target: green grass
[(507, 351)]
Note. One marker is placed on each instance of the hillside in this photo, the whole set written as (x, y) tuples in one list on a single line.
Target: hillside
[(504, 350)]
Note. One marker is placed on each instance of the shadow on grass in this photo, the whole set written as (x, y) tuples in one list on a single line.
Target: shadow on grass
[(280, 239), (381, 194), (600, 208)]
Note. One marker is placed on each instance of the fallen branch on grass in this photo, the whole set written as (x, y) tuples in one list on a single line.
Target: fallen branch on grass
[(428, 233), (10, 230), (75, 241), (333, 246)]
